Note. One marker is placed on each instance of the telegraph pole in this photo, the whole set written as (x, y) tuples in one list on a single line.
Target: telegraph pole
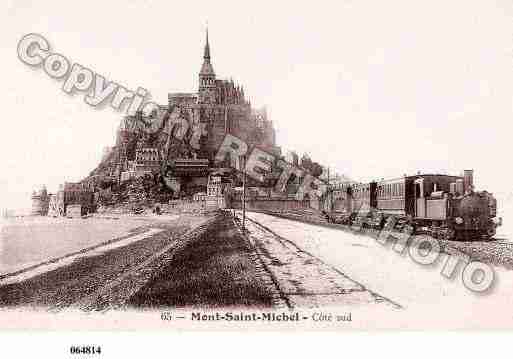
[(330, 193), (243, 193)]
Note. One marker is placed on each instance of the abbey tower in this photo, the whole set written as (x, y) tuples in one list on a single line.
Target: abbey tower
[(189, 130)]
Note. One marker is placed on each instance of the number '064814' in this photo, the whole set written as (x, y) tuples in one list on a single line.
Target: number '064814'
[(85, 349)]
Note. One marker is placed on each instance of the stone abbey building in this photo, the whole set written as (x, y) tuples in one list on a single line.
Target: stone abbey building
[(187, 132), (168, 154)]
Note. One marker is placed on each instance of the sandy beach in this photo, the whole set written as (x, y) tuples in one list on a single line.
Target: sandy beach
[(27, 241)]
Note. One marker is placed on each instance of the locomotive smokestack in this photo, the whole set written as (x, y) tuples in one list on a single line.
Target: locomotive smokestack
[(468, 180)]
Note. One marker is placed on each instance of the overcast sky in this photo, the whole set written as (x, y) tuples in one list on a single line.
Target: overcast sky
[(371, 88)]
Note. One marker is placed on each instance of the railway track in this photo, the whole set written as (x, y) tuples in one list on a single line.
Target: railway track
[(301, 279), (496, 252)]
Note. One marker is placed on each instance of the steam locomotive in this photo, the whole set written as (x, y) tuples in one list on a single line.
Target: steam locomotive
[(442, 206)]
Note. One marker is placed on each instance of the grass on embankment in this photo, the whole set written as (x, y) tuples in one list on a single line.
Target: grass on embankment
[(213, 271)]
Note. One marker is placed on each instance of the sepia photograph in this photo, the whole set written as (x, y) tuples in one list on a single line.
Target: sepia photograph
[(259, 166)]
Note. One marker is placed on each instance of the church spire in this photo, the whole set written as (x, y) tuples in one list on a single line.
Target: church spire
[(207, 68), (207, 77), (206, 54)]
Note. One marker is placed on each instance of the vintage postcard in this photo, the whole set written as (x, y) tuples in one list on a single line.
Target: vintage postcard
[(280, 166)]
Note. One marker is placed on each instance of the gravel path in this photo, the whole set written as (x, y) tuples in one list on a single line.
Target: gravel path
[(305, 281), (496, 252), (422, 290)]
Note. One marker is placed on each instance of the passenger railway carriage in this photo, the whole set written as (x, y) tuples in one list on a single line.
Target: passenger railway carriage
[(441, 205), (408, 195), (363, 196)]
